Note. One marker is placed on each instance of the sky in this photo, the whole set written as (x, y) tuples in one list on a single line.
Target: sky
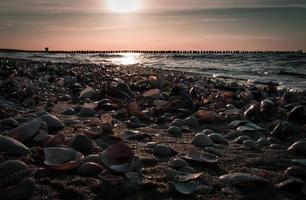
[(156, 25)]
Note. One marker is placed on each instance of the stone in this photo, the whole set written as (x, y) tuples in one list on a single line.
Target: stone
[(82, 143), (298, 147), (201, 140), (206, 116), (217, 138), (178, 163), (251, 145), (69, 112), (193, 122), (11, 146), (89, 169), (240, 179), (87, 112), (174, 130), (88, 92), (52, 121), (163, 150), (25, 131)]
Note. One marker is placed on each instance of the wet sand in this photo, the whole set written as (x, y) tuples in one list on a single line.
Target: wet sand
[(151, 101)]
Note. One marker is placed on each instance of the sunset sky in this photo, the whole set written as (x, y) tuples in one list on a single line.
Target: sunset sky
[(153, 24)]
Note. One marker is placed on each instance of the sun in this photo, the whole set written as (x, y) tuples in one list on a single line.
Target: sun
[(123, 6)]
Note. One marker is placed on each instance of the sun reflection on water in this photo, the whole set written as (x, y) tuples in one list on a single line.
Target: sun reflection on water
[(127, 59)]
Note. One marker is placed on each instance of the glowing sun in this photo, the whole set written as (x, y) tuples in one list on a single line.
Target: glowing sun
[(123, 6)]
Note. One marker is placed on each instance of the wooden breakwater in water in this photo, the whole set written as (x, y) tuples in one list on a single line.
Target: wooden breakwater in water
[(152, 51)]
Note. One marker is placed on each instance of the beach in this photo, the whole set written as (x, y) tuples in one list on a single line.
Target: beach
[(106, 131)]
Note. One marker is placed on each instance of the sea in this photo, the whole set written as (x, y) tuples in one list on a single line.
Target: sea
[(287, 70)]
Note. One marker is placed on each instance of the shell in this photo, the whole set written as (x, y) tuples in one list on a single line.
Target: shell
[(25, 131), (196, 155), (241, 138), (178, 176), (119, 158), (12, 146), (62, 158)]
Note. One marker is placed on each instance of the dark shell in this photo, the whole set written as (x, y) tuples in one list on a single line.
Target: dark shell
[(62, 158), (196, 155), (118, 158)]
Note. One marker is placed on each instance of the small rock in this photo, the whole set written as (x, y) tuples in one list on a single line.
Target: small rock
[(87, 112), (217, 138), (82, 143), (12, 146), (242, 138), (88, 92), (201, 140), (239, 179), (193, 122), (178, 163), (163, 150), (69, 112), (250, 144), (298, 147), (52, 121), (174, 130), (89, 169)]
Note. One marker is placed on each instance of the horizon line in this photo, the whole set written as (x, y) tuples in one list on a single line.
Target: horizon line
[(47, 50)]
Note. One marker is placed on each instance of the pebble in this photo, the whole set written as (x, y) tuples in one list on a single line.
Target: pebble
[(201, 140), (69, 112), (296, 171), (251, 145), (178, 163), (193, 122), (82, 143), (134, 122), (298, 147), (11, 146), (261, 142), (163, 150), (25, 131), (52, 121), (174, 130), (206, 116), (217, 138), (240, 179), (89, 169), (241, 139), (87, 112), (214, 151)]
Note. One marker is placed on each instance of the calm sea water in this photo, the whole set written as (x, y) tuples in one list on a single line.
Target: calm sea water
[(287, 70)]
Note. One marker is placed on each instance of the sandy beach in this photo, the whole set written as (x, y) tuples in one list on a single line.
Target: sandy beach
[(86, 131)]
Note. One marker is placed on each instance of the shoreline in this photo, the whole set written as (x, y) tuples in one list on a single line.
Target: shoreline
[(157, 115)]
